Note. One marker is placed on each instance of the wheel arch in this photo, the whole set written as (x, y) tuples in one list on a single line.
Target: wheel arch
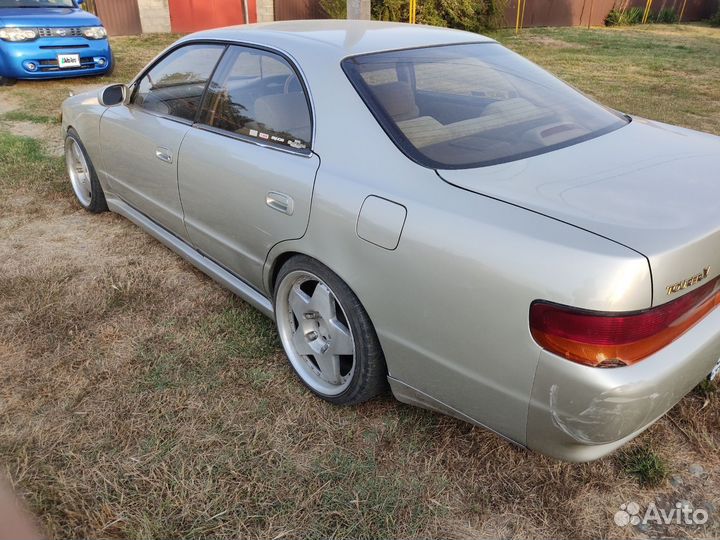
[(275, 264), (276, 261)]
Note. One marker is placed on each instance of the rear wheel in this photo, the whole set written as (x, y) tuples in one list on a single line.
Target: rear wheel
[(82, 175), (327, 334)]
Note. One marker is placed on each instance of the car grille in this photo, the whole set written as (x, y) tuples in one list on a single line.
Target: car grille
[(52, 65), (60, 32)]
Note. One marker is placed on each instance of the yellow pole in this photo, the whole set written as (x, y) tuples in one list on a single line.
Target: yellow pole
[(682, 11), (522, 15), (413, 11), (648, 5)]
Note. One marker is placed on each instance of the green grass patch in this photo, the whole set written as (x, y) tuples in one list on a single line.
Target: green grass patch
[(23, 116), (24, 164), (643, 463)]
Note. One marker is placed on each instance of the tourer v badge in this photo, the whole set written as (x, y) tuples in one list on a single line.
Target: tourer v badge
[(689, 282)]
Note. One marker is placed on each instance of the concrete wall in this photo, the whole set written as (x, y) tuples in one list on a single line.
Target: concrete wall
[(358, 9), (265, 11), (154, 16)]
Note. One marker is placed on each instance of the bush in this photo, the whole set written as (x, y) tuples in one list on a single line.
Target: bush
[(715, 19), (470, 15), (624, 17), (666, 16), (336, 9), (390, 10)]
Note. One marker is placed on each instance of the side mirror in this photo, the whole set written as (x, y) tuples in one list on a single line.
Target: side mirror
[(80, 2), (112, 95)]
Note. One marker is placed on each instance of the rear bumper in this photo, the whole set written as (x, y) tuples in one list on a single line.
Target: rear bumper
[(579, 413), (95, 56)]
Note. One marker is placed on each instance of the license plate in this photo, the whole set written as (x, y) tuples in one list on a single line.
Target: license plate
[(715, 371), (68, 60)]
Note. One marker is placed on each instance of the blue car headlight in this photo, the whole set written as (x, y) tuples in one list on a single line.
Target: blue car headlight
[(94, 32), (12, 33)]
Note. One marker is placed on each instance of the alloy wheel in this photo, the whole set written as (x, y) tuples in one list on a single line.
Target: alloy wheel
[(315, 332), (78, 171)]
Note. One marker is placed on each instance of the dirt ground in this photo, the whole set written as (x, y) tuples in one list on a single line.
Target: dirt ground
[(140, 399)]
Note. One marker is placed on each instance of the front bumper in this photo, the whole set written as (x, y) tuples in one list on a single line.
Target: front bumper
[(15, 58), (578, 413)]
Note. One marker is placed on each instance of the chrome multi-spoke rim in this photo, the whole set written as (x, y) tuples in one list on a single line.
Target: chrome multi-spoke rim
[(315, 333), (78, 171)]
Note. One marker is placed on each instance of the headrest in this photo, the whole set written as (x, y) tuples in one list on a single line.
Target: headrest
[(398, 100)]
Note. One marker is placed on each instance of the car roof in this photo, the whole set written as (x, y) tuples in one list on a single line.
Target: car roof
[(333, 39)]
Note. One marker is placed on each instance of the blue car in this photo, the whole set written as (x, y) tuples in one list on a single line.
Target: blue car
[(48, 39)]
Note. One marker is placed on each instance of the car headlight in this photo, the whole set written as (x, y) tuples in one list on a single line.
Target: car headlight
[(94, 32), (18, 34)]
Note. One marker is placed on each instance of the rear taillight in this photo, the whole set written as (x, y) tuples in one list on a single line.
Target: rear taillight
[(602, 339)]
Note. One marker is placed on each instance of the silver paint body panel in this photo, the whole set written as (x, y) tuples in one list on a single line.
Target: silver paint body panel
[(649, 186), (450, 302), (226, 214)]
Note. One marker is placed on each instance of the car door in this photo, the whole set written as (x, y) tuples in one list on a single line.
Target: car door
[(246, 169), (140, 141)]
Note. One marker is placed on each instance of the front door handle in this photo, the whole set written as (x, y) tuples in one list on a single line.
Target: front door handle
[(280, 202), (163, 154)]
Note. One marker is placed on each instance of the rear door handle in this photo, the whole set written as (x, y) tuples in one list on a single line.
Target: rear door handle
[(163, 154), (280, 202)]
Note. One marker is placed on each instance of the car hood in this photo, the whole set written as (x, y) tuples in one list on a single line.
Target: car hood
[(652, 187), (47, 17)]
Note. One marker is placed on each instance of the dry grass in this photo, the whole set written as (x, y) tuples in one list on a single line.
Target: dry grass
[(139, 399)]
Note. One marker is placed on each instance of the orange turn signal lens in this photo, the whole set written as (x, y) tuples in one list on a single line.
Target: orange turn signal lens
[(601, 339)]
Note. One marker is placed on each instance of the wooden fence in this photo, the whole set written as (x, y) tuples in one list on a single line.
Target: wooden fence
[(537, 12)]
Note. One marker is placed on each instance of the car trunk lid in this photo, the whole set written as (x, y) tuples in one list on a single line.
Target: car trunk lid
[(652, 187)]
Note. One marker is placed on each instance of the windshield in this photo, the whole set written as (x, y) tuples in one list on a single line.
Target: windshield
[(36, 3), (462, 106)]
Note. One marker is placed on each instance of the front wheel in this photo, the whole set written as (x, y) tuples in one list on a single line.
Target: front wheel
[(327, 334), (82, 175), (7, 81)]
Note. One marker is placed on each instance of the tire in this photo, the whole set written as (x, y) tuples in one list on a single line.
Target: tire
[(7, 81), (84, 180), (327, 334)]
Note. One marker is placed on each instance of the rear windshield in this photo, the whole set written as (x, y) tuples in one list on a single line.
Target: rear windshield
[(462, 106)]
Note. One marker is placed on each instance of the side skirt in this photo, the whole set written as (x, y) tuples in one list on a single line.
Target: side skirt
[(412, 396), (190, 254)]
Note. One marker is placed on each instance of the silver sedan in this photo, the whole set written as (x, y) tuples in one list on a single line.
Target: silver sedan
[(423, 209)]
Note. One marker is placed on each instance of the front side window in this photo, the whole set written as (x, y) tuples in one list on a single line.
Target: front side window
[(175, 85), (463, 106), (257, 94)]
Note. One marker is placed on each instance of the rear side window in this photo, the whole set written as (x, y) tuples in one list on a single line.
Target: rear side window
[(471, 105), (175, 85), (257, 94)]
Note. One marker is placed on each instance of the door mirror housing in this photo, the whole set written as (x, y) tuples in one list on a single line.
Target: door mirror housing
[(112, 95), (80, 2)]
